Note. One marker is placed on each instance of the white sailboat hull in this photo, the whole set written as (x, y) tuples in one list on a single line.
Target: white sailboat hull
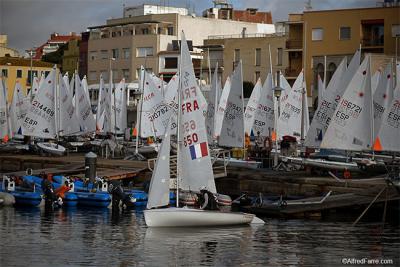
[(188, 217), (52, 148)]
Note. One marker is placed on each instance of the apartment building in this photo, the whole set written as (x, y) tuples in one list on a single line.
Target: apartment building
[(252, 49), (124, 44), (319, 39)]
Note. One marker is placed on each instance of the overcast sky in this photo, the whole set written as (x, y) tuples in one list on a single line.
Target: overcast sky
[(29, 23)]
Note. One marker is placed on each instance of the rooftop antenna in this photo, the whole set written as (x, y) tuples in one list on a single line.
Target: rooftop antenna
[(307, 5)]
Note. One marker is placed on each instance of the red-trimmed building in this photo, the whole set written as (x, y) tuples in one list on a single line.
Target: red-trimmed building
[(52, 45)]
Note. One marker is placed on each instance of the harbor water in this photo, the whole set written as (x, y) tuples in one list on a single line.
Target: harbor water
[(88, 237)]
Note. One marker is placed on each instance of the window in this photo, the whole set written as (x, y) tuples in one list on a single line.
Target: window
[(92, 55), (171, 62), (115, 53), (237, 55), (31, 75), (92, 76), (126, 53), (280, 57), (115, 74), (104, 54), (144, 51), (19, 73), (4, 72), (46, 73), (345, 33), (170, 30), (256, 76), (258, 56), (125, 74), (317, 34), (145, 31)]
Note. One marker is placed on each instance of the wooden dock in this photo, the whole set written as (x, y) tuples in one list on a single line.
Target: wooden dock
[(357, 192)]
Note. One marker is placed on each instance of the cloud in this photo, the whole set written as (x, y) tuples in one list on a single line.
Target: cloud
[(29, 23)]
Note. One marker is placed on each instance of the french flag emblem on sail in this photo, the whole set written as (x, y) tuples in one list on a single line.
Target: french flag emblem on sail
[(199, 150)]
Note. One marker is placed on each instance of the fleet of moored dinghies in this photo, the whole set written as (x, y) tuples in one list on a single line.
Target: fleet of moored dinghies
[(356, 112)]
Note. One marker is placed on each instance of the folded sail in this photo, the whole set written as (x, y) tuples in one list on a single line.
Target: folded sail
[(119, 108), (83, 107), (212, 105)]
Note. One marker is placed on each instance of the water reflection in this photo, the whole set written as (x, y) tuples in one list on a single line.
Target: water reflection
[(90, 237)]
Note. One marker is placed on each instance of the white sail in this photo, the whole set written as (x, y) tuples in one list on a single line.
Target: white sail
[(159, 185), (83, 106), (264, 119), (195, 169), (66, 81), (289, 121), (332, 95), (286, 89), (321, 90), (220, 113), (397, 73), (4, 127), (18, 109), (100, 106), (389, 133), (351, 127), (40, 118), (155, 111), (382, 96), (118, 108), (35, 86), (375, 79), (69, 123), (212, 105), (232, 130), (251, 107)]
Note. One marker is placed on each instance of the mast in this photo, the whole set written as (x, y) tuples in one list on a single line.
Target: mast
[(57, 104), (178, 126)]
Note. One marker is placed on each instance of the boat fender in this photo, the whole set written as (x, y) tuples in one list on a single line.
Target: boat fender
[(29, 171)]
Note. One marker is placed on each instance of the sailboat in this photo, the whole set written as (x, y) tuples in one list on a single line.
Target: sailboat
[(194, 170), (40, 120), (18, 109)]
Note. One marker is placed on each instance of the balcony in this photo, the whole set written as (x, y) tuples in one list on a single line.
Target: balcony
[(294, 44)]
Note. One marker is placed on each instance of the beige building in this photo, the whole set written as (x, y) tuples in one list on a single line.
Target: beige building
[(252, 49), (319, 40), (140, 40), (4, 50), (19, 69)]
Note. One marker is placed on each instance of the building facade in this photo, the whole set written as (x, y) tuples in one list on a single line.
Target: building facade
[(252, 50), (319, 39), (124, 44), (20, 69)]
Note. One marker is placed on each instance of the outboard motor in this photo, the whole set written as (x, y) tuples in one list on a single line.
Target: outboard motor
[(8, 183), (102, 184), (70, 184)]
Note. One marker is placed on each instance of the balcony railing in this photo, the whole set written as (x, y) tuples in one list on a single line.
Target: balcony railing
[(294, 44)]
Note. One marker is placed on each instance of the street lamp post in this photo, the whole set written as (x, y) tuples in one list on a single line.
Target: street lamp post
[(31, 55), (277, 93)]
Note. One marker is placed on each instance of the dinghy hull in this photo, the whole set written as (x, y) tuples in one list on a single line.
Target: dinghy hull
[(187, 217)]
